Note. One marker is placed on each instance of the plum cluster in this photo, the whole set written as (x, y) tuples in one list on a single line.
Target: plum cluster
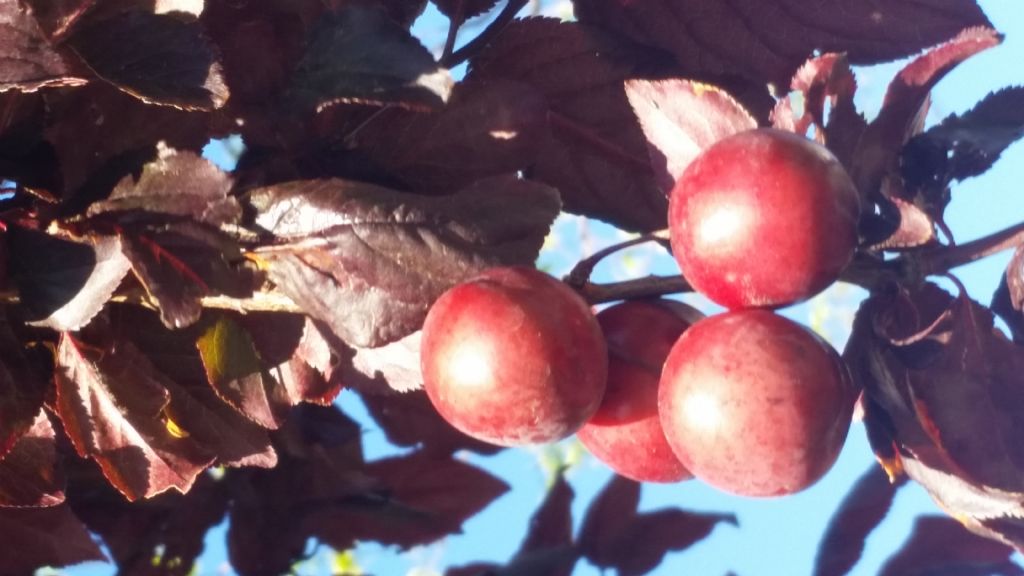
[(746, 400)]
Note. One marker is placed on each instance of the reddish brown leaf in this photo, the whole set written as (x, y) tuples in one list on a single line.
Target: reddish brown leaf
[(27, 61), (176, 288), (938, 543), (177, 184), (21, 388), (30, 475), (486, 129), (680, 118), (112, 403), (597, 157), (296, 354), (410, 419), (368, 261), (237, 373), (860, 512), (159, 58), (162, 536), (360, 55), (422, 499), (195, 409), (35, 537), (64, 284), (826, 79), (768, 40), (905, 101)]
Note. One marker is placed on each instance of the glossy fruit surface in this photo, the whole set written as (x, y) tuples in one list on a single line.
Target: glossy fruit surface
[(513, 357), (754, 404), (763, 218), (626, 433)]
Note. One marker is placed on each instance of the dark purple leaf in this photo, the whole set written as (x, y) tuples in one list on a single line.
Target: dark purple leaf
[(938, 542), (159, 58), (30, 474), (101, 134), (486, 129), (968, 145), (681, 118), (905, 101), (548, 549), (21, 124), (368, 261), (35, 537), (27, 61), (360, 55), (465, 8), (860, 512), (177, 184), (943, 388), (597, 155), (175, 287), (64, 284), (767, 41), (1008, 301), (410, 419), (608, 516), (420, 500), (21, 389), (113, 405), (236, 372), (162, 536)]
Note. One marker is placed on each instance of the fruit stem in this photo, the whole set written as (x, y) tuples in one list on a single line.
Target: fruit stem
[(490, 33), (649, 287), (580, 274)]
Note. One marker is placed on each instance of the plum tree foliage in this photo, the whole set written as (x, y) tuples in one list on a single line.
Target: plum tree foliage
[(173, 335)]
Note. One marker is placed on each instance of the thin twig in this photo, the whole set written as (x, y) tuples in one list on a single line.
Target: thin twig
[(944, 259), (490, 33), (649, 287), (580, 274)]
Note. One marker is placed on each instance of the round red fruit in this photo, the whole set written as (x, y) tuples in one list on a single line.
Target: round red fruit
[(764, 219), (626, 433), (755, 404), (513, 357)]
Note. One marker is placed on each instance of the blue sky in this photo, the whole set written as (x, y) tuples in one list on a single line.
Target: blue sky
[(775, 536)]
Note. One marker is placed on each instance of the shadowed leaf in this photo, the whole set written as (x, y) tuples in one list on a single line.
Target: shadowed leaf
[(368, 261), (64, 284), (27, 61), (422, 499), (768, 40), (1008, 301), (112, 403), (467, 8), (937, 543), (236, 372), (597, 155), (35, 537), (486, 129), (548, 549), (56, 17), (361, 55), (30, 474), (158, 58), (681, 118), (860, 512), (608, 516)]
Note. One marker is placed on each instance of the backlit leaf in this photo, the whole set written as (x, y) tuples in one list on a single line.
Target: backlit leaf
[(30, 474), (35, 537), (21, 388), (27, 61), (112, 403)]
